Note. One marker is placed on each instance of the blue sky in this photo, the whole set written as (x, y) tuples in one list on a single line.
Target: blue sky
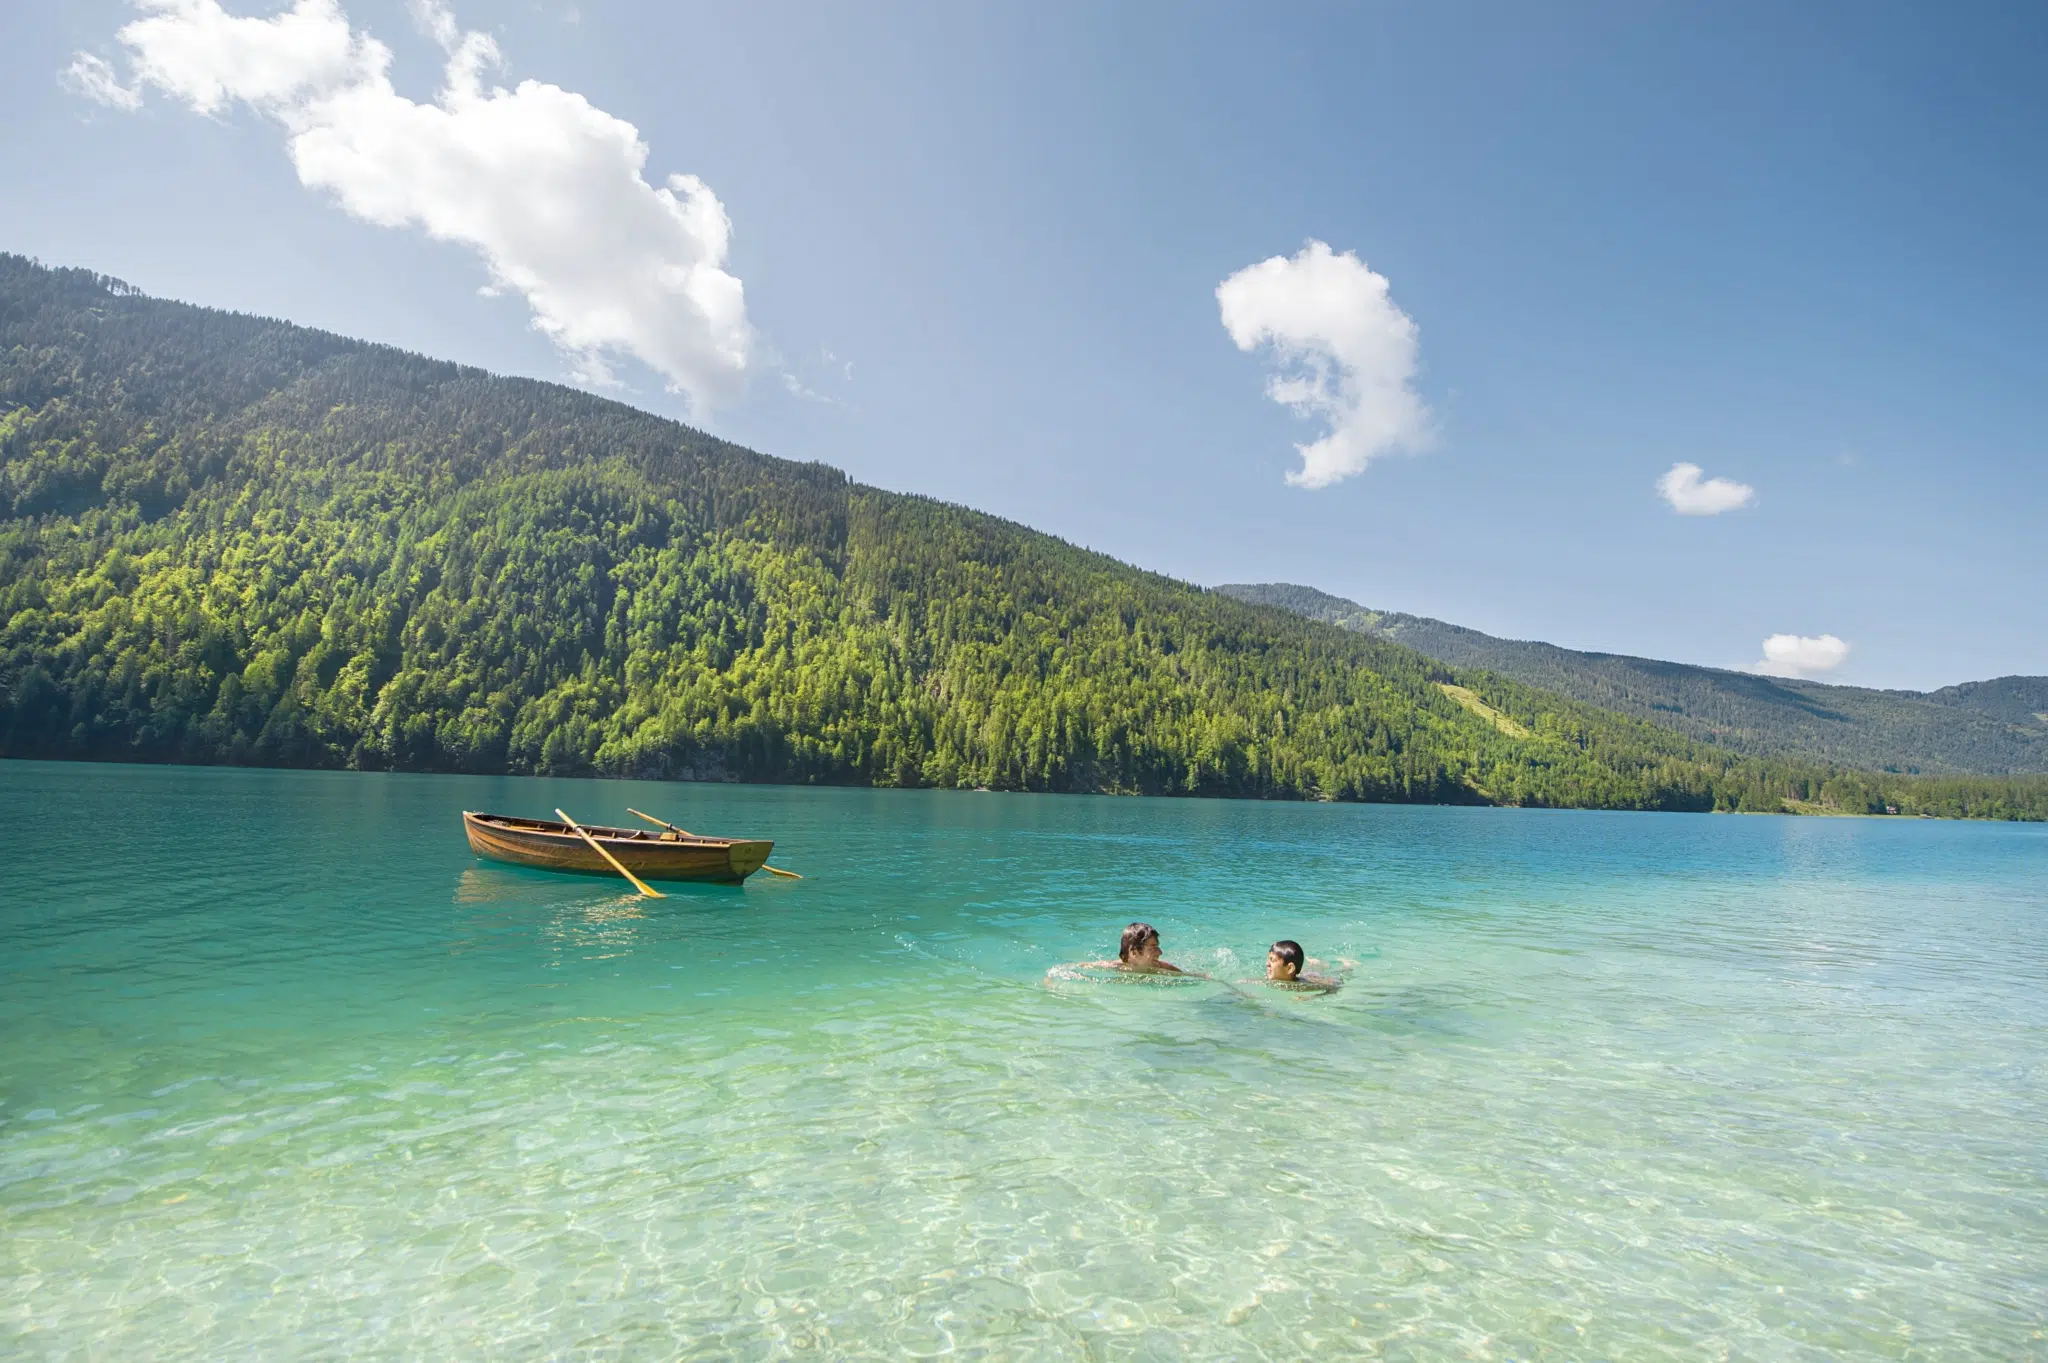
[(980, 248)]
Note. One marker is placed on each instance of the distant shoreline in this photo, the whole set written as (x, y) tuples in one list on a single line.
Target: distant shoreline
[(1811, 810)]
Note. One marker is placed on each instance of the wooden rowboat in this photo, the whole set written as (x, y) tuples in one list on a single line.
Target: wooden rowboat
[(555, 846)]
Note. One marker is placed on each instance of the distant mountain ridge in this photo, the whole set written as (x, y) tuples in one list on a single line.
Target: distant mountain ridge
[(2021, 701), (228, 539), (1996, 727)]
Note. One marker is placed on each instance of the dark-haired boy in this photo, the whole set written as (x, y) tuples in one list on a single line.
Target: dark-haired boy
[(1284, 963), (1139, 951)]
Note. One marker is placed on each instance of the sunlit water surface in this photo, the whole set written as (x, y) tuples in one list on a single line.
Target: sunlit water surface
[(288, 1074)]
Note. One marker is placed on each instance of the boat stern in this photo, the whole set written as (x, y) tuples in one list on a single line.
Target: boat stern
[(745, 858)]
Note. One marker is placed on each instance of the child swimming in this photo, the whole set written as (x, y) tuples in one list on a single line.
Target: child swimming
[(1284, 962), (1136, 955), (1139, 953)]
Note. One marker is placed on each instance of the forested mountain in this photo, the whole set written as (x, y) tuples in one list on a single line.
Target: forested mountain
[(1982, 727), (2018, 701), (228, 539)]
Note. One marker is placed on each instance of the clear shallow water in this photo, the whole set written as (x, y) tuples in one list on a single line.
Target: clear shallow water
[(285, 1072)]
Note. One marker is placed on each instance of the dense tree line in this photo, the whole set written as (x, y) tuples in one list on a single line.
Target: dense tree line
[(226, 539), (1989, 727)]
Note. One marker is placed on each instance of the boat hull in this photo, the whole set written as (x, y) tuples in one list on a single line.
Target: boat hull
[(550, 846)]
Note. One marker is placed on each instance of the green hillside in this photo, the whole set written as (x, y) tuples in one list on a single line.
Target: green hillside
[(2021, 702), (227, 539), (1985, 727)]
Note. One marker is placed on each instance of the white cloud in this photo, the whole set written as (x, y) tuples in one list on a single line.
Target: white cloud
[(827, 371), (546, 188), (797, 388), (1347, 356), (1799, 655), (1689, 496), (92, 77)]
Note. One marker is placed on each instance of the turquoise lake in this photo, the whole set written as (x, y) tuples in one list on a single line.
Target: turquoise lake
[(285, 1072)]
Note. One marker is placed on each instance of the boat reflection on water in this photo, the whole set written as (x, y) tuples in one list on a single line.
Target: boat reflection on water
[(584, 926), (483, 885)]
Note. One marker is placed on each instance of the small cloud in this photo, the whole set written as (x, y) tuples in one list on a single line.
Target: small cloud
[(92, 77), (437, 21), (547, 189), (795, 387), (826, 370), (1690, 496), (1347, 356), (1799, 655)]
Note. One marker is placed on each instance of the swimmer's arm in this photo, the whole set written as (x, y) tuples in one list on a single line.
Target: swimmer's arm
[(1063, 971)]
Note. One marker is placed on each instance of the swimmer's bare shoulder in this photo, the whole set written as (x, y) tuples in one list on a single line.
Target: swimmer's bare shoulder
[(1304, 984), (1138, 954), (1127, 968)]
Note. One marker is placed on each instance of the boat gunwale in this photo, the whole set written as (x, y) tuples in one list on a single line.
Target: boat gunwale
[(551, 828)]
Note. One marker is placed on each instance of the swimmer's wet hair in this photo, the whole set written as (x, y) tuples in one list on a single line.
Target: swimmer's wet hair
[(1290, 951), (1135, 936)]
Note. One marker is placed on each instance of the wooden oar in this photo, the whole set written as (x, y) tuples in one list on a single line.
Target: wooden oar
[(663, 822), (771, 870), (617, 865)]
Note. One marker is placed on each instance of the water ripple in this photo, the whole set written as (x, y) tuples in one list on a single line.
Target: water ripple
[(1601, 1086)]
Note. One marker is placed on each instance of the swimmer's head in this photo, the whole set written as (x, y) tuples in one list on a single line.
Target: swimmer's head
[(1284, 960), (1141, 943)]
